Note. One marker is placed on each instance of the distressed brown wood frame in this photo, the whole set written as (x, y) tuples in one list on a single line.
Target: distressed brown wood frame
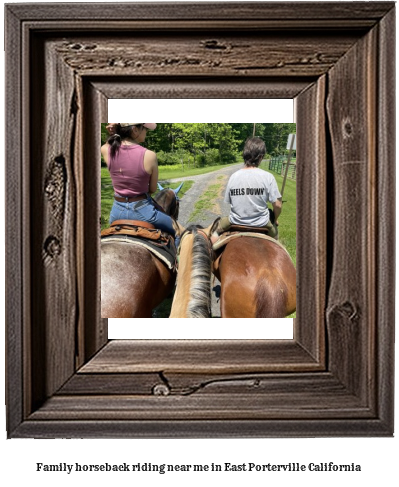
[(63, 62)]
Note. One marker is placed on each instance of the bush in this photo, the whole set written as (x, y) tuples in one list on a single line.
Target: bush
[(229, 156), (211, 157), (172, 158)]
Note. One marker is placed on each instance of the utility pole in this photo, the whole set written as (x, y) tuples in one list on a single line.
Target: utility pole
[(253, 135), (291, 145)]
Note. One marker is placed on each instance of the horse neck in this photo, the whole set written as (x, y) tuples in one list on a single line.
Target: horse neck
[(181, 297), (192, 297)]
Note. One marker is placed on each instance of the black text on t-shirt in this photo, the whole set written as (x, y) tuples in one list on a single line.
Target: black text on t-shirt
[(247, 191)]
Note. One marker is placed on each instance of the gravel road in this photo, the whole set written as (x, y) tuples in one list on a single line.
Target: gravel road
[(218, 208), (201, 183)]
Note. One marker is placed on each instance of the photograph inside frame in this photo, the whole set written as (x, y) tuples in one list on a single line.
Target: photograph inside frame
[(198, 220)]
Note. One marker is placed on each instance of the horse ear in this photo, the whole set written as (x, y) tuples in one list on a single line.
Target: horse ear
[(160, 187), (178, 189)]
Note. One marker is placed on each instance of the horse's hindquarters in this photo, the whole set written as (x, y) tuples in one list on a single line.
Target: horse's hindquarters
[(258, 280), (133, 281)]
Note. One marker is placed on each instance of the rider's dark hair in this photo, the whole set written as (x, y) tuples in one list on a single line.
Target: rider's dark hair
[(254, 151), (115, 141)]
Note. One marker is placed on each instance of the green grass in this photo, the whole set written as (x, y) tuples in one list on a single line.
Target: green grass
[(107, 195), (206, 201), (287, 219)]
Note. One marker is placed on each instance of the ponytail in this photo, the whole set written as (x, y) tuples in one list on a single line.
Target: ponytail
[(115, 141)]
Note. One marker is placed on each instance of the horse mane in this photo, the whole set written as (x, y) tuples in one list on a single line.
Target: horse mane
[(199, 305)]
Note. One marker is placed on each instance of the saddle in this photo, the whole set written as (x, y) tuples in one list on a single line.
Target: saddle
[(159, 243), (239, 231), (243, 228), (134, 228)]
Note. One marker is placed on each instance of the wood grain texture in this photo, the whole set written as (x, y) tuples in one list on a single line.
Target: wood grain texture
[(61, 73), (385, 218), (311, 254), (217, 55), (351, 109), (185, 384), (176, 87), (200, 356), (113, 384), (16, 246), (203, 407), (53, 245), (192, 428), (277, 11), (94, 330)]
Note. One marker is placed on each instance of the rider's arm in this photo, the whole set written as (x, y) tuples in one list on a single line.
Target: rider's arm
[(151, 167), (277, 207), (104, 152), (275, 195), (111, 129)]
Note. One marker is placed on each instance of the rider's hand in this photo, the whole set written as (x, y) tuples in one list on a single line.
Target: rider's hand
[(111, 128)]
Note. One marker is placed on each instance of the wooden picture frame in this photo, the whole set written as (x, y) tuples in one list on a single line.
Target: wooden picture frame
[(335, 378)]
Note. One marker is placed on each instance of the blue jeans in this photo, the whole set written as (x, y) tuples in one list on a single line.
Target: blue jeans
[(142, 210)]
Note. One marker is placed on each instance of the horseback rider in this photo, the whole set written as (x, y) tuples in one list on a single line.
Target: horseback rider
[(249, 190), (134, 174)]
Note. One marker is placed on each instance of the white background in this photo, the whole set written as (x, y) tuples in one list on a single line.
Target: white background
[(378, 457), (201, 111)]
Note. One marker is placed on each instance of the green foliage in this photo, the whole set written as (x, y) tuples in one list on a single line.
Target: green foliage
[(211, 157), (275, 135), (107, 197), (104, 133), (207, 144), (167, 158)]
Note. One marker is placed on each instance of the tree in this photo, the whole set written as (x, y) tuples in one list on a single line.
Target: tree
[(208, 143), (224, 138), (276, 136)]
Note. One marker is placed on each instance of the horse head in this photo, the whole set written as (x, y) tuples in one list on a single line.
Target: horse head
[(176, 191), (168, 200)]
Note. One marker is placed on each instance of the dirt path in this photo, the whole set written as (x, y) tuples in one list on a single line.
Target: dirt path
[(215, 183), (202, 184)]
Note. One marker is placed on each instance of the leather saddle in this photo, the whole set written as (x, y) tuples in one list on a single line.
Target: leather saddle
[(159, 243), (244, 228), (136, 228)]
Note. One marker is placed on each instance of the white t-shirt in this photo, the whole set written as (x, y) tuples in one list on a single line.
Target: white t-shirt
[(248, 191)]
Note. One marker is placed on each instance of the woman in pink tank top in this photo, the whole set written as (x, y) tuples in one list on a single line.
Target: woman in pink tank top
[(134, 175)]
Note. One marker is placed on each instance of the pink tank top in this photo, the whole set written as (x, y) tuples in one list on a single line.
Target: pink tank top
[(128, 175)]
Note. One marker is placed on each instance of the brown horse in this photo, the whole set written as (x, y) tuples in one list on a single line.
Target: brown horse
[(192, 298), (258, 279), (133, 280)]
